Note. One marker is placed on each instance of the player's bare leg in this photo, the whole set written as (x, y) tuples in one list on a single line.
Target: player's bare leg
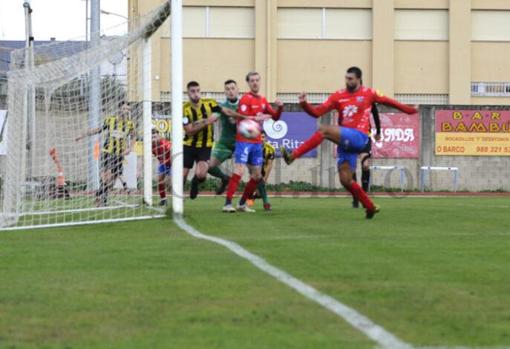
[(215, 170), (185, 172), (105, 185), (365, 170), (200, 175), (60, 189), (329, 132)]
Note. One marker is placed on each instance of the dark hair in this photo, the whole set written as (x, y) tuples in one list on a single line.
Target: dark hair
[(230, 81), (250, 74), (356, 71), (192, 84)]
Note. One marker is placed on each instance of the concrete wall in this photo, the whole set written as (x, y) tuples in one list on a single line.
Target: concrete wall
[(477, 173)]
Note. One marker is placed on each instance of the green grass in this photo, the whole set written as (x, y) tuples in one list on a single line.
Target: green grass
[(432, 271)]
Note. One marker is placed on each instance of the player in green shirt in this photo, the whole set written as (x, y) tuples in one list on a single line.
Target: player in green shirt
[(224, 147)]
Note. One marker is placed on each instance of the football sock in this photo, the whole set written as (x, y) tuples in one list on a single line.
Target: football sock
[(217, 172), (161, 189), (233, 183), (262, 190), (248, 190), (359, 194), (309, 144)]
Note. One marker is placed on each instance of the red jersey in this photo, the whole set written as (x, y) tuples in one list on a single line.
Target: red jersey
[(354, 108), (251, 105), (163, 151)]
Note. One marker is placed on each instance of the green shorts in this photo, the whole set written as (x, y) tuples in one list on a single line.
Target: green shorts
[(222, 151)]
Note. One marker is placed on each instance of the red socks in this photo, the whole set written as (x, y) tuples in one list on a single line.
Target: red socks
[(233, 183), (251, 186), (309, 144), (162, 191), (359, 194)]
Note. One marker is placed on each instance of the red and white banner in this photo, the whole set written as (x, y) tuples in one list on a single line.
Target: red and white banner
[(400, 137)]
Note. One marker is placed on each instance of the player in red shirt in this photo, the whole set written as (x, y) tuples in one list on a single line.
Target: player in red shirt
[(249, 152), (162, 150), (354, 105)]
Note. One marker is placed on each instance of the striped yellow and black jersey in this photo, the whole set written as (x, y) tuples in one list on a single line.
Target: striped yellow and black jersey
[(116, 134), (268, 151), (191, 114)]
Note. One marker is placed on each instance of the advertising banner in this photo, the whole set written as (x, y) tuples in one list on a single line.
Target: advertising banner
[(472, 132)]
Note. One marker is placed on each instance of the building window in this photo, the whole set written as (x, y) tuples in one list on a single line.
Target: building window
[(325, 23), (218, 22), (490, 89), (421, 25), (194, 22), (299, 23), (352, 24), (490, 25), (231, 22)]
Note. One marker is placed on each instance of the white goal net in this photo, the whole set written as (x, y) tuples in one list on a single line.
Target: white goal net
[(77, 115)]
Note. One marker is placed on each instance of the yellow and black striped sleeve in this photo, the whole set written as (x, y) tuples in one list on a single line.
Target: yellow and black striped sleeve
[(269, 151)]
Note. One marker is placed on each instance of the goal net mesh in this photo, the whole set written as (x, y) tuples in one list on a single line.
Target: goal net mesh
[(75, 130)]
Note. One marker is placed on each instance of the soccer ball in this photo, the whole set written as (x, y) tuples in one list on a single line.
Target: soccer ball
[(249, 129)]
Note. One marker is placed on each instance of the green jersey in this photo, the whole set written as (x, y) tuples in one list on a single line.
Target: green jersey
[(228, 124)]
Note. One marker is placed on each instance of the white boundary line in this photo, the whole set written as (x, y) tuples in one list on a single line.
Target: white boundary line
[(373, 331), (378, 334), (462, 347)]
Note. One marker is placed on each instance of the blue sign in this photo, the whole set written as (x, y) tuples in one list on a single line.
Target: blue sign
[(291, 131)]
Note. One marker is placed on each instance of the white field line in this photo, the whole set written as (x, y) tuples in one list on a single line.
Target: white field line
[(484, 206), (462, 347), (378, 334)]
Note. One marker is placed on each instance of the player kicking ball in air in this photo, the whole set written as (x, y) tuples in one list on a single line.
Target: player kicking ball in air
[(249, 151), (354, 105)]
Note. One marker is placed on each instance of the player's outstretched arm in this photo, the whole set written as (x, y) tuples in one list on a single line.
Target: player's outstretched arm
[(234, 114), (316, 111), (390, 102), (377, 122), (275, 114), (89, 133)]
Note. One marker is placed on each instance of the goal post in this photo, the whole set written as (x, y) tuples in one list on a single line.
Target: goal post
[(48, 177), (177, 88), (147, 119)]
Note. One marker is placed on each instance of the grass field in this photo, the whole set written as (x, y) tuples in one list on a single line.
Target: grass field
[(432, 271)]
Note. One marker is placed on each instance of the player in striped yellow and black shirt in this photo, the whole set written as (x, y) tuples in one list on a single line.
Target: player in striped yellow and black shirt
[(118, 133), (198, 120)]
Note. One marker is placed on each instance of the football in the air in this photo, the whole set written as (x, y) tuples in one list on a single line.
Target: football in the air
[(249, 129)]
